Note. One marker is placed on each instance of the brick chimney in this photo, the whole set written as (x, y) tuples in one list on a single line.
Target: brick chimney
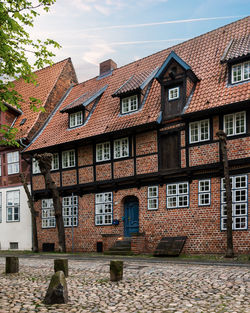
[(107, 66)]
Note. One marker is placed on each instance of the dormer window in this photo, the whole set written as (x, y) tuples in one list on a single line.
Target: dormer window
[(173, 93), (240, 72), (129, 104), (75, 119)]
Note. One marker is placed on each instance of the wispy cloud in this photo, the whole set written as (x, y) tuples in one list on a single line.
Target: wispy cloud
[(97, 52), (164, 23)]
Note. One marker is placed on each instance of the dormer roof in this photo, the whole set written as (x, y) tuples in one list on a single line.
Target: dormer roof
[(84, 100), (173, 56), (237, 49), (136, 82)]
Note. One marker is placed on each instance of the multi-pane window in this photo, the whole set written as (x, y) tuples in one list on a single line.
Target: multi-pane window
[(75, 119), (48, 214), (13, 162), (173, 93), (68, 158), (177, 195), (103, 208), (129, 104), (199, 131), (153, 197), (70, 211), (13, 206), (55, 162), (239, 202), (204, 192), (0, 207), (121, 148), (240, 72), (103, 151), (235, 124)]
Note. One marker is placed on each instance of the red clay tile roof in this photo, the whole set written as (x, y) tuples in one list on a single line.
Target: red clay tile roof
[(46, 79), (134, 83), (238, 47), (203, 54)]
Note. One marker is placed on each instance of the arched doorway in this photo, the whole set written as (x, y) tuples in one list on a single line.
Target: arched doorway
[(131, 215)]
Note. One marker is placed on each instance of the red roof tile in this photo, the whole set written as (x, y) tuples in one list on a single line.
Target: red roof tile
[(46, 80), (238, 47), (203, 54)]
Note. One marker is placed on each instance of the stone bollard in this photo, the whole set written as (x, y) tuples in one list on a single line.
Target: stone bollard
[(61, 265), (116, 270), (57, 292), (12, 264)]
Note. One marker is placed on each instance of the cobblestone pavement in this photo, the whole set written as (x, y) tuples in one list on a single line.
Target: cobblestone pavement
[(146, 288)]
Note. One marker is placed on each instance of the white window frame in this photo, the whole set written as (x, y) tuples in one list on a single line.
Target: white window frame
[(48, 212), (153, 197), (173, 93), (1, 210), (14, 207), (67, 161), (75, 119), (234, 128), (198, 126), (55, 162), (239, 201), (204, 194), (241, 68), (13, 162), (103, 151), (103, 209), (0, 165), (67, 208), (175, 196), (119, 151), (129, 104)]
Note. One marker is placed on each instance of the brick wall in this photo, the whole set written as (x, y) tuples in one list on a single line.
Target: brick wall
[(201, 224), (205, 154)]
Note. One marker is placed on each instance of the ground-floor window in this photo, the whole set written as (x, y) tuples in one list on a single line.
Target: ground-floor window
[(153, 198), (69, 210), (13, 206), (0, 207), (204, 192), (104, 208), (239, 202), (177, 195)]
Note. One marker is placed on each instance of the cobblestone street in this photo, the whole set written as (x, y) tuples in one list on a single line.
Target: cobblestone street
[(146, 287)]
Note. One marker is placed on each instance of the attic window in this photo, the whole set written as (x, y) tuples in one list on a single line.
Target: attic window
[(173, 93), (129, 104), (240, 72), (23, 121), (75, 119)]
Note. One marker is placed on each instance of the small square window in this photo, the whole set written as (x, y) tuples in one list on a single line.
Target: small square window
[(121, 148), (177, 195), (204, 192), (75, 119), (240, 72), (129, 104), (103, 151), (173, 93), (199, 131), (68, 159)]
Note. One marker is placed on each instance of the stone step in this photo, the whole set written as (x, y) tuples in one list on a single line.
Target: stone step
[(125, 248), (115, 252), (122, 243)]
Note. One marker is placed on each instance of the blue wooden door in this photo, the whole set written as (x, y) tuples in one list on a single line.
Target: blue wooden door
[(131, 216)]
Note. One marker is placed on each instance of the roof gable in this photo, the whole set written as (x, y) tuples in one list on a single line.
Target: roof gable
[(237, 49)]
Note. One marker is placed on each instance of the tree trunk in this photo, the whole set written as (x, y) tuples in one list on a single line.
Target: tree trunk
[(33, 213), (223, 146), (44, 161)]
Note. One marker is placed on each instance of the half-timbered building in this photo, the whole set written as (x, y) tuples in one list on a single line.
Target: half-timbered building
[(15, 218), (135, 151)]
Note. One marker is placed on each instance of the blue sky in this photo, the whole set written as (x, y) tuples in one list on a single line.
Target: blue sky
[(91, 31)]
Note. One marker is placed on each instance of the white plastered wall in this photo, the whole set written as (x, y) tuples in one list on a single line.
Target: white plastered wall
[(16, 231)]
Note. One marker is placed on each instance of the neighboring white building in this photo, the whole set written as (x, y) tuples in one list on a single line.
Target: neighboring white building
[(15, 219)]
